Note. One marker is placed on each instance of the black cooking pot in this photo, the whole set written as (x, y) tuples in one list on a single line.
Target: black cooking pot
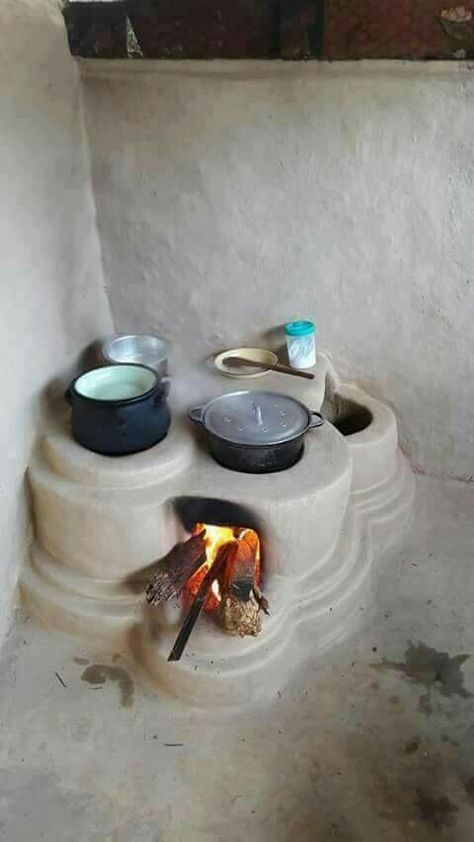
[(119, 409), (256, 432)]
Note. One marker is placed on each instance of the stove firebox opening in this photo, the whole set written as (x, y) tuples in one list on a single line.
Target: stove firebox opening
[(217, 570)]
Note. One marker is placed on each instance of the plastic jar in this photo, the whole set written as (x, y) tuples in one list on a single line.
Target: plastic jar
[(301, 343)]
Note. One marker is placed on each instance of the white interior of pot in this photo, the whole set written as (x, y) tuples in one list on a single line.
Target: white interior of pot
[(115, 382)]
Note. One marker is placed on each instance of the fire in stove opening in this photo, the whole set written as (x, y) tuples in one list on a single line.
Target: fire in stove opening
[(241, 572), (217, 569)]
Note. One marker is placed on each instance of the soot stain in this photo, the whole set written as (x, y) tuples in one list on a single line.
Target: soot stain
[(430, 668), (437, 812), (469, 789), (424, 704), (99, 673), (447, 739), (412, 746)]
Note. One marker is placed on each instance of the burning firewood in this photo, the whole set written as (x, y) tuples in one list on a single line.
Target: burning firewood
[(176, 568), (239, 573), (229, 559), (241, 599)]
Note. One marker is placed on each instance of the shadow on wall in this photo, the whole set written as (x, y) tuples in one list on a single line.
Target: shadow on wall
[(51, 403)]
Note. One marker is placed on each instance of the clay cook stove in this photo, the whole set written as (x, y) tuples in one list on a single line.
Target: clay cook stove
[(303, 539)]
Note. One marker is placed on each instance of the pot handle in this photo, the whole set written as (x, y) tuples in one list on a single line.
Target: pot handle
[(68, 394), (164, 391), (317, 420), (196, 414)]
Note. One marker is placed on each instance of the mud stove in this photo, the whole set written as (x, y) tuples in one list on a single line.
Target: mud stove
[(307, 538)]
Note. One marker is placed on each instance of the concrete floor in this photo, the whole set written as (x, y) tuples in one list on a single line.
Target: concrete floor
[(375, 742)]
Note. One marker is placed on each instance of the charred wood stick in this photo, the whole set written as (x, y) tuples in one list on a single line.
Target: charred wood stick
[(176, 568), (239, 608), (251, 539), (198, 603), (240, 573)]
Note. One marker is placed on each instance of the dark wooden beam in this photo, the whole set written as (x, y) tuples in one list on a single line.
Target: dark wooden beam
[(395, 29), (97, 30), (289, 29), (204, 29), (301, 29)]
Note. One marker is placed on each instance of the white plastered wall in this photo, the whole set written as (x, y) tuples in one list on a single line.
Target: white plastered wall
[(234, 196), (52, 297)]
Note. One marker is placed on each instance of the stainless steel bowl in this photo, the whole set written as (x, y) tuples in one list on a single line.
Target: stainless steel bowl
[(142, 348)]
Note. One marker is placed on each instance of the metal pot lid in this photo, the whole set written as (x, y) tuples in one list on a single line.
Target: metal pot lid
[(256, 418)]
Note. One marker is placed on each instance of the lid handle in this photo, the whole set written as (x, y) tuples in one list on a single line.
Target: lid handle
[(317, 420), (257, 409), (196, 414)]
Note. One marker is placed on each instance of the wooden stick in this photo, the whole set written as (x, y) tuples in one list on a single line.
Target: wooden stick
[(239, 362), (239, 574), (198, 604), (176, 568)]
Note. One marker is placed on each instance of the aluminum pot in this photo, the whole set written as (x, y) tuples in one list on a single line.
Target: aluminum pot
[(141, 348), (256, 432), (119, 409)]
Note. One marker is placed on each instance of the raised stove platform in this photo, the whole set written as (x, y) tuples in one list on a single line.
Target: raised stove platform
[(101, 523)]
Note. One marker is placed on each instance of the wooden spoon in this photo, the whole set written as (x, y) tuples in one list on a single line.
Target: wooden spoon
[(240, 362)]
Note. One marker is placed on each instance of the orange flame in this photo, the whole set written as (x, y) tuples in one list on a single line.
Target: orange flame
[(215, 538)]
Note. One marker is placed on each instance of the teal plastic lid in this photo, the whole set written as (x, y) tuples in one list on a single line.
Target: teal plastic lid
[(300, 328)]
